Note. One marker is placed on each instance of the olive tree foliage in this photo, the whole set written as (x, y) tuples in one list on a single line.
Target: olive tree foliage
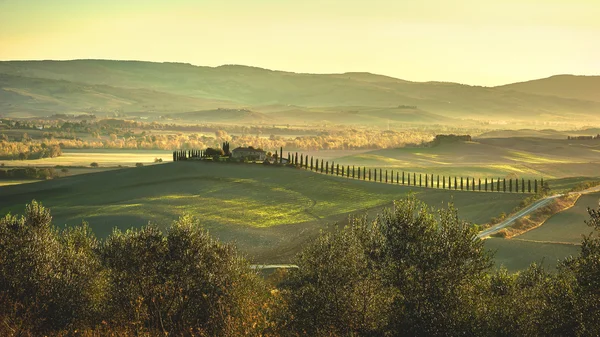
[(184, 278), (48, 280), (411, 271)]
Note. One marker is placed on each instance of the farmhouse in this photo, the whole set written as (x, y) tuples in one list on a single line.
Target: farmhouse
[(249, 153)]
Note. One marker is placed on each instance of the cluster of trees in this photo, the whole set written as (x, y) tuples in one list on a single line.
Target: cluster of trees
[(28, 149), (583, 137), (446, 139), (28, 173), (411, 271)]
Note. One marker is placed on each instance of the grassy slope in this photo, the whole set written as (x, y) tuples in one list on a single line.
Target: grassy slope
[(491, 157), (517, 255), (255, 86), (270, 212), (578, 87), (566, 226)]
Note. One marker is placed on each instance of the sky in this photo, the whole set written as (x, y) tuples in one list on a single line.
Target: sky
[(477, 42)]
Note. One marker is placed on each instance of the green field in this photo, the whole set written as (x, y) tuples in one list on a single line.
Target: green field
[(566, 226), (491, 158), (104, 158), (516, 254), (269, 211)]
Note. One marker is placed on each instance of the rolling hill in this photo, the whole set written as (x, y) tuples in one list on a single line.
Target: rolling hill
[(35, 87), (270, 212), (569, 86)]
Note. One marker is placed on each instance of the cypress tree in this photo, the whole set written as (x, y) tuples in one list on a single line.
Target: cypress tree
[(353, 172), (358, 173), (296, 159), (438, 181), (342, 170), (174, 157), (380, 175), (348, 171), (529, 185), (369, 174), (523, 185), (414, 179), (486, 184), (402, 177), (386, 177), (375, 171), (317, 165), (321, 165), (408, 182), (535, 186), (455, 183), (516, 185), (364, 173), (467, 184), (301, 160), (397, 177), (426, 180), (479, 184), (498, 185), (443, 182), (392, 176), (311, 163), (337, 169), (492, 185), (420, 179), (327, 167), (461, 183), (306, 162)]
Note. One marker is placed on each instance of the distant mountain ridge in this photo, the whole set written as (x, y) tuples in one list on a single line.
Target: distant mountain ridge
[(45, 87)]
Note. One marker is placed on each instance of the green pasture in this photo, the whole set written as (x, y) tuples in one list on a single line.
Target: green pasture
[(528, 158), (568, 225), (269, 211), (104, 157), (516, 254)]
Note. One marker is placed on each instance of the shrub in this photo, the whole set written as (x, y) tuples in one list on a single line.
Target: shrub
[(139, 164), (158, 160), (94, 164)]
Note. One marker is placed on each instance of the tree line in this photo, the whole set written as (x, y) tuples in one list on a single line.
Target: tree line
[(418, 179), (410, 271)]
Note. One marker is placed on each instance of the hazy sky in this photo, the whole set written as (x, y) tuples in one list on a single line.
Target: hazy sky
[(485, 42)]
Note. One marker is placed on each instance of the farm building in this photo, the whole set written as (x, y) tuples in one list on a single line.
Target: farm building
[(249, 153)]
